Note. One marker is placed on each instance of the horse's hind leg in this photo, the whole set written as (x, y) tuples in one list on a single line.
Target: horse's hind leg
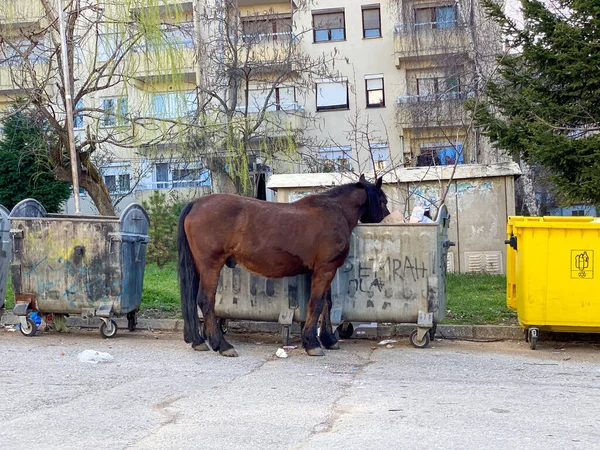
[(321, 280), (327, 335), (206, 300), (199, 343)]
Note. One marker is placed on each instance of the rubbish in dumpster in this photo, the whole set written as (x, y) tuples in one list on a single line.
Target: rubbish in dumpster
[(94, 357), (394, 217), (387, 341), (281, 353), (420, 215)]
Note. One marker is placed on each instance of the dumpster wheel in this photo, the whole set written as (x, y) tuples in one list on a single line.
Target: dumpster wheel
[(345, 330), (532, 335), (108, 328), (28, 326), (418, 344)]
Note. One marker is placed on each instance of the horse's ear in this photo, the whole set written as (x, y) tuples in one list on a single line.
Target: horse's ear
[(362, 178), (379, 183)]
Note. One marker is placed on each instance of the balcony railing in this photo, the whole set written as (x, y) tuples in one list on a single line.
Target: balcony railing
[(433, 110), (429, 39)]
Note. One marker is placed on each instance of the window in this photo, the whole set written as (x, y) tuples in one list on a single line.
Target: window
[(175, 176), (374, 88), (576, 212), (78, 115), (332, 95), (329, 26), (178, 35), (440, 155), (117, 178), (270, 28), (21, 51), (162, 175), (111, 183), (335, 159), (371, 19), (123, 186), (283, 98), (172, 105), (433, 87), (114, 112), (124, 182), (108, 47), (436, 17), (381, 156)]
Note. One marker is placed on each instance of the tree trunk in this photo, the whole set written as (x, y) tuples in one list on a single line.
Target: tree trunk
[(91, 182), (527, 188)]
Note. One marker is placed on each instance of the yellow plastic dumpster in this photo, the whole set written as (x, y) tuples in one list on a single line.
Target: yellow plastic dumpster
[(553, 280)]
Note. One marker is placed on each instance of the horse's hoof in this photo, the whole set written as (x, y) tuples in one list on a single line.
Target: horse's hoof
[(317, 351), (230, 352), (201, 347), (335, 346)]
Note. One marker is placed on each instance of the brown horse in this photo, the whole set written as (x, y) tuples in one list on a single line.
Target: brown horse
[(274, 240)]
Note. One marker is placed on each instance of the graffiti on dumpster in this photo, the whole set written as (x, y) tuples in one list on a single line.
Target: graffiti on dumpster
[(582, 264), (93, 280), (390, 273)]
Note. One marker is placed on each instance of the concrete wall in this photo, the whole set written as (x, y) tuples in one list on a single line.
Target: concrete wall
[(480, 200)]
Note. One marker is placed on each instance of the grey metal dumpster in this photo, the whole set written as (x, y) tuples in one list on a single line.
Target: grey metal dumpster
[(395, 273), (246, 296), (5, 252), (91, 266)]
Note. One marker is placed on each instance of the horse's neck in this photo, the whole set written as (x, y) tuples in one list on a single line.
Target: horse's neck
[(352, 203)]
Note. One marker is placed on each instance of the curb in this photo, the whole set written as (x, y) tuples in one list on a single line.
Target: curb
[(361, 331)]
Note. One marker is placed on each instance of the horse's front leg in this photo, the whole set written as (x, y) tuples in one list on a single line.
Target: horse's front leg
[(327, 336), (321, 280)]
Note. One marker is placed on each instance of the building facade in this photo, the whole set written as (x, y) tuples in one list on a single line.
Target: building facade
[(283, 86)]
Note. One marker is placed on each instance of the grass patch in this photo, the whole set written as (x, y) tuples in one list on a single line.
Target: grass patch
[(477, 299), (161, 290), (10, 297)]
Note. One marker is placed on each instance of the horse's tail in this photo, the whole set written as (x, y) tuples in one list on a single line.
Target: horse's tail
[(189, 281)]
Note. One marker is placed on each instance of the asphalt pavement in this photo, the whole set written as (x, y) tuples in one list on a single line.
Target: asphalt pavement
[(157, 393)]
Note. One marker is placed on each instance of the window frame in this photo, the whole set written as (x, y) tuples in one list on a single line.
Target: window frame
[(433, 23), (337, 107), (375, 105), (345, 151), (341, 11), (117, 117), (370, 8)]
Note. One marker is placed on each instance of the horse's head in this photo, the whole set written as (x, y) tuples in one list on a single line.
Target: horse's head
[(375, 208)]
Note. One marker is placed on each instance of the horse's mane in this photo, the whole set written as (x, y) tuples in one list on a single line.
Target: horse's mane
[(372, 195)]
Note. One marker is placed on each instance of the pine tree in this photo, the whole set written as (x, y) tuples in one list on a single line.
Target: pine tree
[(24, 164), (545, 105)]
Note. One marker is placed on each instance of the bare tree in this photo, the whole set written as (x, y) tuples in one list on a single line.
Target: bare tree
[(252, 78), (111, 46)]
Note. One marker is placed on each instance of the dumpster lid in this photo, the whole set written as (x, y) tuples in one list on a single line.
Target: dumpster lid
[(29, 207)]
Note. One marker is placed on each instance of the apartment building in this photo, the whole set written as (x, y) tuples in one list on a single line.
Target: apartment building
[(315, 86)]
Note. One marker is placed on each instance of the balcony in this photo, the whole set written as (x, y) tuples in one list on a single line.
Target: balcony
[(16, 13), (433, 110), (428, 40), (282, 121), (156, 64), (265, 53)]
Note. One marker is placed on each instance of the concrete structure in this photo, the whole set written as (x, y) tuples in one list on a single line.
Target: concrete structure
[(480, 200)]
